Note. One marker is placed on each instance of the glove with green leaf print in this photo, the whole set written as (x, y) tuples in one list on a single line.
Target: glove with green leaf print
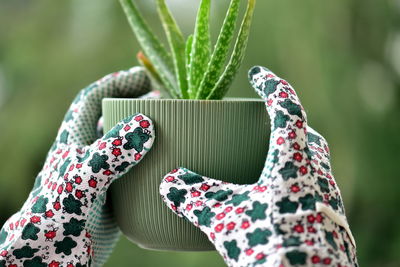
[(293, 216), (64, 221)]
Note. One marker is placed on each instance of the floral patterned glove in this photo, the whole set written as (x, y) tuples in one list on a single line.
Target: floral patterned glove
[(293, 216), (64, 221)]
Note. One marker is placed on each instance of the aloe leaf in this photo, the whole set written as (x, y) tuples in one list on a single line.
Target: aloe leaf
[(152, 73), (151, 46), (177, 44), (201, 48), (145, 62), (221, 50), (188, 51), (236, 59)]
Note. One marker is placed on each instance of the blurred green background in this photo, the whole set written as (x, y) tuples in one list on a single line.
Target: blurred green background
[(343, 57)]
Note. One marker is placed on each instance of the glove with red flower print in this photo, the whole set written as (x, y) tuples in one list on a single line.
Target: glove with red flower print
[(64, 221), (293, 216)]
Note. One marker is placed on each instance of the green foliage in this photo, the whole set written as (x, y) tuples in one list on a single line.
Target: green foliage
[(177, 44), (192, 70), (201, 48), (151, 46), (216, 64), (188, 51), (229, 74)]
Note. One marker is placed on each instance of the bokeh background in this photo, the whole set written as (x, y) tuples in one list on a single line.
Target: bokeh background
[(343, 57)]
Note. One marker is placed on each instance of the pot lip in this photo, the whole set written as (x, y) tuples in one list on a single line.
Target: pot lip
[(225, 100)]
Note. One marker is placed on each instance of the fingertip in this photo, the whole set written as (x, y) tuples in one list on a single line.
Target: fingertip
[(174, 193), (133, 82), (260, 79), (129, 140), (256, 70), (252, 74), (179, 177)]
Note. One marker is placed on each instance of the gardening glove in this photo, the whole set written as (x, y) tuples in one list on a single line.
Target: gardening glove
[(293, 215), (64, 221)]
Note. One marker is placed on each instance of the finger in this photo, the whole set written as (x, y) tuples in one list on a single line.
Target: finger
[(117, 151), (195, 197), (100, 123), (287, 153), (79, 125), (284, 108)]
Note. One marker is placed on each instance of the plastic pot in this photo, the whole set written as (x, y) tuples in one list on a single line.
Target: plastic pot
[(224, 139)]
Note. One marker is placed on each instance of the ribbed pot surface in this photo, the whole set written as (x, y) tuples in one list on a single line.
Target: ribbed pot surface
[(226, 140)]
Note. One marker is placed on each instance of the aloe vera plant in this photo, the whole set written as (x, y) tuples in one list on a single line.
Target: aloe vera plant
[(192, 69)]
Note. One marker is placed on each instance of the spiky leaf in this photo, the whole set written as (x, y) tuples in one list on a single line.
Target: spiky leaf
[(145, 62), (201, 48), (155, 78), (177, 44), (188, 51), (237, 56), (221, 50), (151, 46)]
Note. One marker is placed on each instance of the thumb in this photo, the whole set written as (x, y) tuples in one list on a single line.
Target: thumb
[(119, 150), (195, 197), (288, 118)]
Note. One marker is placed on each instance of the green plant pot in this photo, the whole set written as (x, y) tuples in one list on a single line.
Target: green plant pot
[(226, 139)]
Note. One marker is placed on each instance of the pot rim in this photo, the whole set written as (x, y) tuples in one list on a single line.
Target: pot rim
[(225, 100)]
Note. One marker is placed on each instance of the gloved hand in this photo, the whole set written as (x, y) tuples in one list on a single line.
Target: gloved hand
[(64, 222), (293, 216)]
